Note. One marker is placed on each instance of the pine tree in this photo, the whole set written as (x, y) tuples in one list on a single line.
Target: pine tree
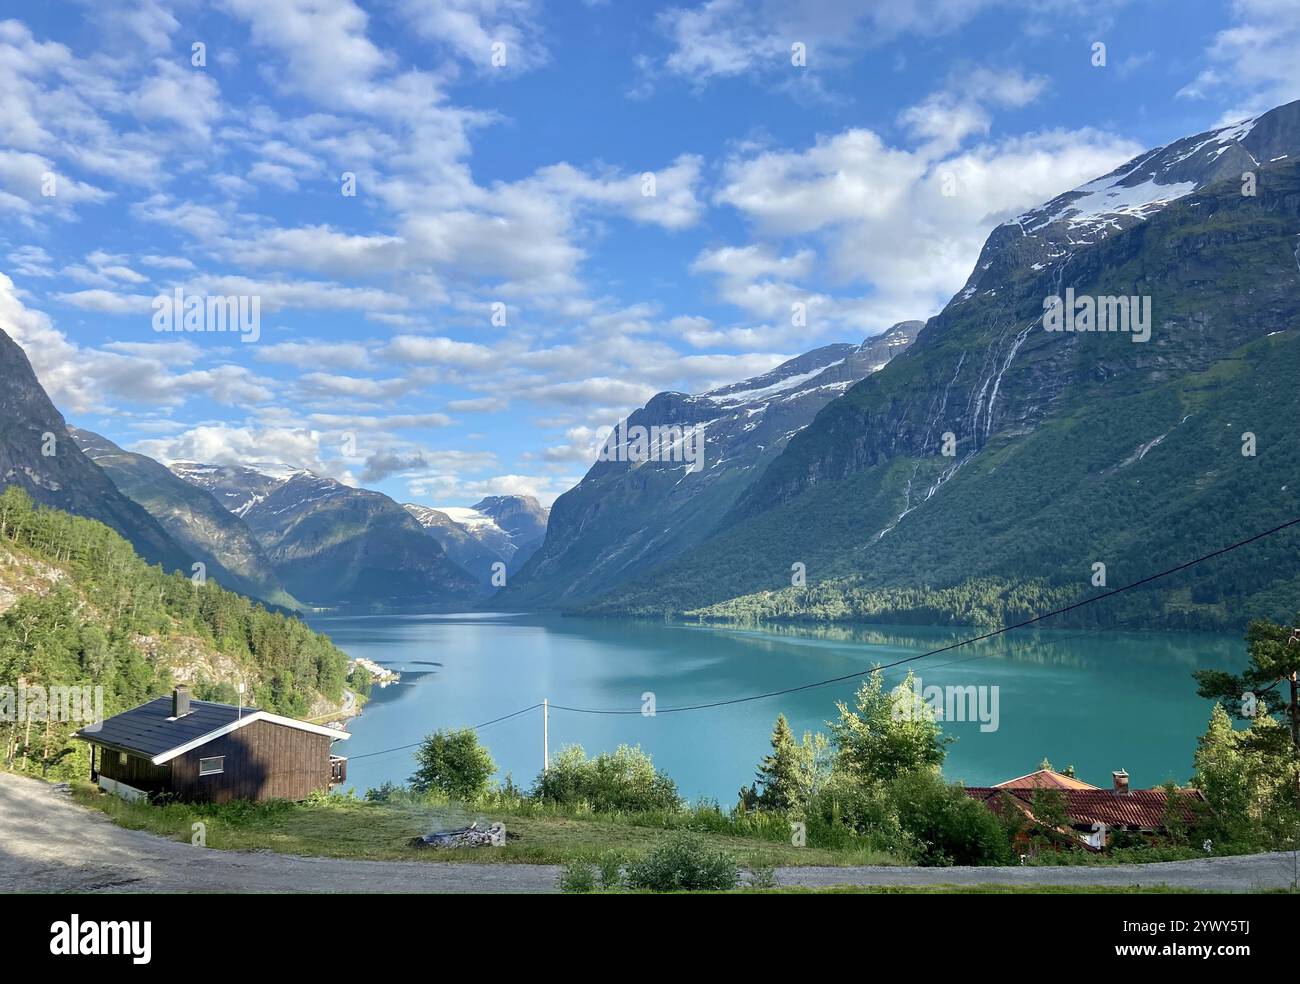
[(778, 774)]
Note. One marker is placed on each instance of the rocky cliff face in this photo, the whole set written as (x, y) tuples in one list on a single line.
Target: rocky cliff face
[(37, 454), (1066, 448), (192, 517), (630, 514)]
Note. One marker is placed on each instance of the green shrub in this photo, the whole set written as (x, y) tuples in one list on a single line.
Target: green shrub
[(849, 810), (946, 826), (623, 781), (578, 878), (387, 793), (684, 863), (611, 869), (762, 876), (453, 763)]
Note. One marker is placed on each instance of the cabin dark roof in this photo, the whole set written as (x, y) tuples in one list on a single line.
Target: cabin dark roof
[(148, 731)]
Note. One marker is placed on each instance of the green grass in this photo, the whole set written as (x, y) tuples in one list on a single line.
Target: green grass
[(342, 827)]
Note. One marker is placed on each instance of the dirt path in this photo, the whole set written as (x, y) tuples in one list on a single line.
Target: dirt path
[(49, 844)]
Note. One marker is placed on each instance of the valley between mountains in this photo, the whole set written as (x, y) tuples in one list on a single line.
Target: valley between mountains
[(972, 468)]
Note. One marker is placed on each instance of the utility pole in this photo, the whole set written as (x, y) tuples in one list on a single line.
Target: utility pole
[(546, 735)]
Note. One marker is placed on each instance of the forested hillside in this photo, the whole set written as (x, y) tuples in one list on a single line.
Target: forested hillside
[(78, 607)]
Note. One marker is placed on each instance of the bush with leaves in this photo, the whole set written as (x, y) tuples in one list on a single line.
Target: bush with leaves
[(887, 733), (762, 876), (453, 763), (684, 862), (578, 878), (946, 826), (625, 780), (610, 865), (847, 808)]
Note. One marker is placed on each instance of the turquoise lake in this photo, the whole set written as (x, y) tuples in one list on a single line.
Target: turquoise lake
[(1098, 700)]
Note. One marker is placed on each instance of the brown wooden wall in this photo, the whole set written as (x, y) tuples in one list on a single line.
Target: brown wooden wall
[(137, 772), (264, 760)]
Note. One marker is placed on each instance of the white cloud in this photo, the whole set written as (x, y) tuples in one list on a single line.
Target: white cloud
[(446, 488), (167, 262), (470, 28), (327, 54), (851, 174), (478, 404), (107, 301), (315, 354), (404, 421), (184, 97), (883, 219), (231, 444), (31, 184), (752, 262), (722, 38), (439, 351), (1253, 62), (31, 261), (317, 385)]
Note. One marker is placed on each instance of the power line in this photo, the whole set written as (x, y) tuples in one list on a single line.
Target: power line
[(943, 649), (885, 666), (472, 727)]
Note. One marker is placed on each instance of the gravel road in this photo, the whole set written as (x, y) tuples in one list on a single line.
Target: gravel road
[(50, 844)]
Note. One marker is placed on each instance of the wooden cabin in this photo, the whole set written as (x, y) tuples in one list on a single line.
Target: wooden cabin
[(201, 751)]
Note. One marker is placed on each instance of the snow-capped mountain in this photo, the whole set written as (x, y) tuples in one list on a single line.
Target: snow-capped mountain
[(237, 487), (1049, 235), (505, 528), (333, 545), (978, 476), (628, 515)]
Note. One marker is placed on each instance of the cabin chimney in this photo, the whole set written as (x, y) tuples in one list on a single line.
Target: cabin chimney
[(1120, 778), (180, 701)]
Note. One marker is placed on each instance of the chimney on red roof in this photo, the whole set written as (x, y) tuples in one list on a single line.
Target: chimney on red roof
[(1120, 778)]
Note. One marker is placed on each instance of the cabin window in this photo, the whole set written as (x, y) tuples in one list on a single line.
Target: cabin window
[(121, 758), (212, 766)]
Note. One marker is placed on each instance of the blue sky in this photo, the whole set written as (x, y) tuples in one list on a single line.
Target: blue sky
[(526, 184)]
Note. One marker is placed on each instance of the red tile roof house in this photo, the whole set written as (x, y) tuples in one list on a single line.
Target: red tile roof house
[(1094, 814), (201, 751)]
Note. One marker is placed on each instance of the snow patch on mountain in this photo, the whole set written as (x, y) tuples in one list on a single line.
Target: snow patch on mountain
[(471, 519), (726, 396)]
